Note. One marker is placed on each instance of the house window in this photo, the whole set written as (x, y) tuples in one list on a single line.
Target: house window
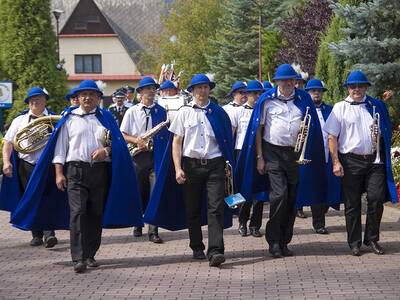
[(80, 26), (93, 19), (87, 64)]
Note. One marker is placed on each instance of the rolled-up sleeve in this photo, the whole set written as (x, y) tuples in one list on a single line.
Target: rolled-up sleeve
[(177, 126), (12, 131), (61, 149)]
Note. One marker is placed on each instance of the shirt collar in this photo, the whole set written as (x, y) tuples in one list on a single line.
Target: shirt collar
[(79, 111), (141, 105), (192, 104), (44, 113), (349, 99), (281, 96)]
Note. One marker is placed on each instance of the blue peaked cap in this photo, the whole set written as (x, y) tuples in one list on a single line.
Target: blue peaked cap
[(237, 86), (35, 91), (284, 72), (147, 81), (168, 84), (198, 79), (88, 85), (267, 85), (315, 84), (356, 77), (254, 86)]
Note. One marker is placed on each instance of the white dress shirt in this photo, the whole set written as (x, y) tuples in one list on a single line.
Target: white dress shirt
[(128, 104), (135, 120), (18, 123), (198, 136), (232, 109), (243, 119), (281, 121), (351, 124), (324, 134), (79, 137)]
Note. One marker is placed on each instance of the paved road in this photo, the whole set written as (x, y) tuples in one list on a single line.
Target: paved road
[(136, 269)]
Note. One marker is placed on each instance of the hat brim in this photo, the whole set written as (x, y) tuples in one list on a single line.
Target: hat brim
[(284, 77), (26, 100), (316, 88), (237, 89), (139, 88), (357, 82), (254, 90), (210, 83), (77, 91)]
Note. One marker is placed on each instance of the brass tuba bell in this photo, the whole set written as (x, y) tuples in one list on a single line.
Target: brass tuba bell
[(35, 135)]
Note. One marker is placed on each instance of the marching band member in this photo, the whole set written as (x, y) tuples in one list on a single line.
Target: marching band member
[(270, 142), (168, 89), (253, 91), (238, 94), (18, 172), (316, 89), (139, 119), (130, 96), (201, 145), (118, 109), (72, 98), (359, 142), (91, 172)]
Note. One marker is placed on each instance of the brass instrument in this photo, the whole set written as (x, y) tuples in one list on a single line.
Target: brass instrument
[(301, 142), (35, 135), (231, 199), (148, 139), (376, 136)]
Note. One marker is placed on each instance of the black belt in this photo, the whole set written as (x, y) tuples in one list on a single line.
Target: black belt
[(366, 157), (84, 164), (27, 162), (284, 148), (203, 161)]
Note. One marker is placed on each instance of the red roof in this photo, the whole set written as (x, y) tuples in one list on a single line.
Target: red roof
[(106, 77), (88, 35)]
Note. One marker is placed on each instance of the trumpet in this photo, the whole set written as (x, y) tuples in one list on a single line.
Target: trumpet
[(35, 135), (148, 139), (376, 135), (301, 142)]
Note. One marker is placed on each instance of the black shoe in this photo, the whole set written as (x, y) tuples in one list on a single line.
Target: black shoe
[(137, 231), (376, 248), (216, 260), (275, 250), (91, 262), (36, 241), (355, 251), (243, 229), (50, 242), (79, 266), (255, 232), (199, 254), (300, 214), (285, 250), (155, 238), (321, 230)]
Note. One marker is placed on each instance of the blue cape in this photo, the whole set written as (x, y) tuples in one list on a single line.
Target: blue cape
[(312, 177), (11, 189), (166, 207), (334, 187), (160, 140), (386, 131), (44, 207)]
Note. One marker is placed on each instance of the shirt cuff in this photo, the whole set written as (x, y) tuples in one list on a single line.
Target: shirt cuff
[(58, 160)]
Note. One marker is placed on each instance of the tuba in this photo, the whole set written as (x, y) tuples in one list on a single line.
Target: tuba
[(301, 142), (35, 135), (376, 136), (148, 139)]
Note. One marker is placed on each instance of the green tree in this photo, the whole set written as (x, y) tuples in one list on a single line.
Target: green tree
[(28, 53), (332, 70), (371, 42)]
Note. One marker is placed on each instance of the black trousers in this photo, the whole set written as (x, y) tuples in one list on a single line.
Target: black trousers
[(318, 215), (25, 170), (144, 166), (209, 177), (245, 208), (87, 187), (360, 174), (283, 174)]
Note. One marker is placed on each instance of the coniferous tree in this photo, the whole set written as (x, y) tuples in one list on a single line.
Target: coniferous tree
[(371, 42), (28, 51)]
